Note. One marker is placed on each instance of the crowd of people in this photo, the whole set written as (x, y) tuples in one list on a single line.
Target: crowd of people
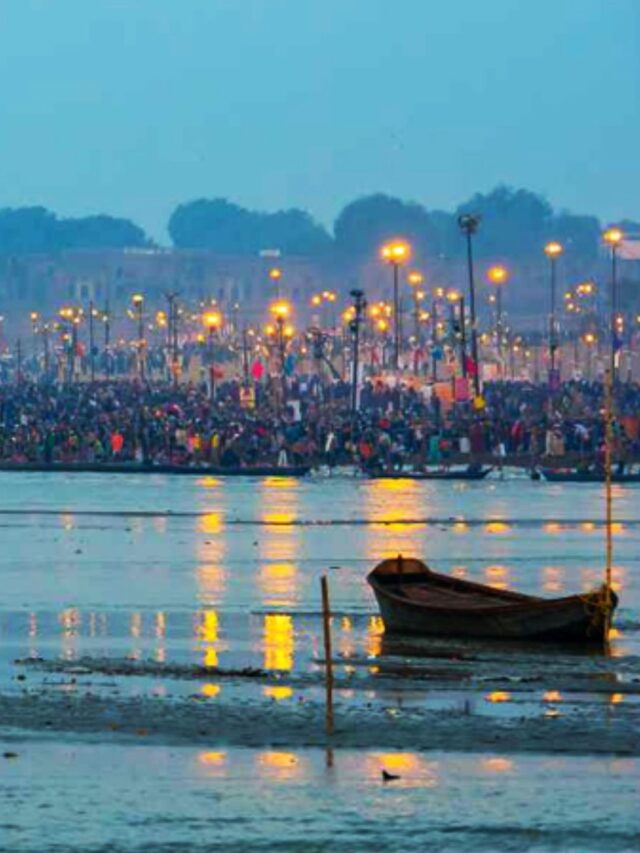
[(156, 423)]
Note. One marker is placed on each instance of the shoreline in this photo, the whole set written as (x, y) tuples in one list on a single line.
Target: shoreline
[(198, 721), (254, 708)]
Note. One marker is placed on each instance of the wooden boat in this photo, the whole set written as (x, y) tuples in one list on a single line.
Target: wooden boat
[(574, 475), (470, 473), (415, 600), (161, 468)]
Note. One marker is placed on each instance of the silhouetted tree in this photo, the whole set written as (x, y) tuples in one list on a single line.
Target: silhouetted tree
[(101, 232), (514, 222), (363, 225), (221, 226), (27, 229), (35, 229)]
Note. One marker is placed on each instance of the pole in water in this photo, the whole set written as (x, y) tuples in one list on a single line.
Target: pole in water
[(326, 622), (607, 598)]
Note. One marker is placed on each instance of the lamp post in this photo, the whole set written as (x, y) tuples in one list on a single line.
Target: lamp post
[(437, 293), (415, 279), (92, 355), (72, 316), (281, 311), (498, 276), (457, 299), (106, 319), (396, 253), (469, 223), (212, 321), (275, 274), (45, 342), (359, 308), (172, 334), (613, 238), (589, 339), (553, 250), (138, 302)]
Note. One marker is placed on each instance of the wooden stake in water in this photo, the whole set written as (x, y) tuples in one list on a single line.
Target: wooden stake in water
[(326, 622), (608, 442)]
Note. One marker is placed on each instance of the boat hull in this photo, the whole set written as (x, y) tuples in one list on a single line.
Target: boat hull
[(415, 600), (431, 475), (576, 621)]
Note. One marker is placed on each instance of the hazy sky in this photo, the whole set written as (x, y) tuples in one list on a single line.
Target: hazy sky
[(131, 106)]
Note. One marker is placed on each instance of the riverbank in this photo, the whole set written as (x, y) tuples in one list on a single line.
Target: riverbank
[(461, 704)]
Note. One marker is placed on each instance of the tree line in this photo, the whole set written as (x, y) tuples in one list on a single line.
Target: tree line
[(515, 223)]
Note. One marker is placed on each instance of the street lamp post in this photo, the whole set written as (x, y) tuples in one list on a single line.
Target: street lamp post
[(106, 319), (45, 342), (138, 301), (553, 250), (396, 253), (359, 308), (613, 238), (415, 279), (280, 311), (498, 276), (212, 321), (438, 293), (456, 301), (92, 355), (275, 274), (469, 223), (172, 335)]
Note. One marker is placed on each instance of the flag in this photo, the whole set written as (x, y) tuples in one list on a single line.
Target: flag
[(470, 366)]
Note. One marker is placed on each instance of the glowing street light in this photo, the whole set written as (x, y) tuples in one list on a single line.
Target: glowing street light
[(138, 301), (613, 237), (275, 274), (395, 253), (281, 311), (414, 280), (498, 275), (212, 321), (553, 250)]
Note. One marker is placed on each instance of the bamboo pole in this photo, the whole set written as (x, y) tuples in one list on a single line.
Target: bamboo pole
[(326, 621), (608, 501)]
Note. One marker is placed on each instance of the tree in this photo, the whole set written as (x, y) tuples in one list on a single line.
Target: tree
[(363, 225), (27, 229), (294, 232), (215, 224), (221, 226), (514, 222), (35, 229), (101, 232)]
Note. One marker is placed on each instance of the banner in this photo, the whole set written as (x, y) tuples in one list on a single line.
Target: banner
[(460, 389)]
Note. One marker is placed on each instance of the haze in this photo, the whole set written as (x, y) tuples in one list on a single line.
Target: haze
[(130, 108)]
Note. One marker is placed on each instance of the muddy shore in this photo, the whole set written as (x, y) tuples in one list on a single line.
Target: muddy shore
[(75, 699)]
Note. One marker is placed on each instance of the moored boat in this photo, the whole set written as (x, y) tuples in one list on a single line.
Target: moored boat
[(415, 600), (470, 473)]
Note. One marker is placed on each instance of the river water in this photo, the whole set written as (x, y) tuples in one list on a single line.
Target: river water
[(173, 572)]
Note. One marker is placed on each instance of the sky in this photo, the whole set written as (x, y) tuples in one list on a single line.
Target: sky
[(130, 107)]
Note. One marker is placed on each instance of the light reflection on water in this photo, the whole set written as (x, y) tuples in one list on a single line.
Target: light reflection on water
[(297, 799), (208, 590)]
